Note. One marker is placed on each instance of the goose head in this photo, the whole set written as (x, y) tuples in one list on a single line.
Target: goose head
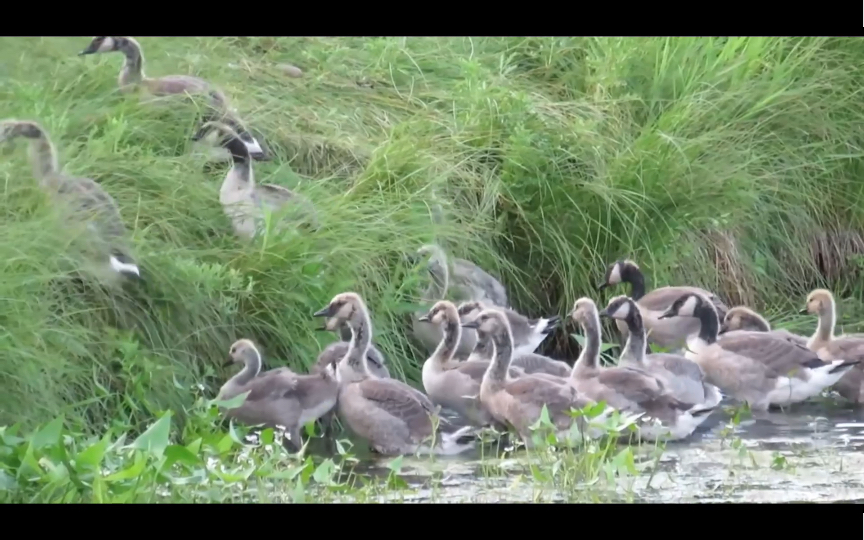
[(343, 307), (467, 311), (489, 322), (11, 128), (442, 312), (243, 351), (743, 318), (621, 307), (819, 302), (584, 311), (686, 305), (617, 272), (103, 44)]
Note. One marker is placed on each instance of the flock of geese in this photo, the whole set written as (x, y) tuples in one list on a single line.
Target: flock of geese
[(484, 367), (482, 362)]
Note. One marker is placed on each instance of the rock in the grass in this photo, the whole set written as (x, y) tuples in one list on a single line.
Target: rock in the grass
[(291, 71)]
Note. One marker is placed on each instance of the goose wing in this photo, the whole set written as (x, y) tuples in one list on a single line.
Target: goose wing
[(478, 279), (632, 385), (399, 400), (532, 363), (781, 357), (558, 398), (847, 348), (275, 384), (676, 365), (660, 299), (90, 201)]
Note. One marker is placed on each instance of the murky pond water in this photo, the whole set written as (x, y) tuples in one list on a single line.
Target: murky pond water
[(811, 453)]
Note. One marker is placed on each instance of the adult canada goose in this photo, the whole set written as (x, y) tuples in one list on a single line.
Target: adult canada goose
[(633, 390), (132, 77), (528, 334), (455, 385), (830, 347), (528, 362), (388, 413), (683, 378), (428, 334), (243, 199), (744, 318), (278, 397), (668, 334), (754, 367), (374, 358), (82, 199), (519, 402)]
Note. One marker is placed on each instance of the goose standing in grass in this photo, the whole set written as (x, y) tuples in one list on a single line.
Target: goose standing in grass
[(83, 199), (455, 385), (744, 318), (519, 402), (830, 347), (132, 77), (632, 390), (243, 199), (683, 378), (668, 334), (391, 415), (277, 397), (527, 361), (754, 367)]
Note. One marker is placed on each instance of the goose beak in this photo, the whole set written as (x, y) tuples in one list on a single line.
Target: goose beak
[(602, 286), (553, 322), (89, 50), (322, 329), (323, 312), (473, 325), (228, 362), (424, 318), (604, 313), (802, 311), (666, 315), (723, 329)]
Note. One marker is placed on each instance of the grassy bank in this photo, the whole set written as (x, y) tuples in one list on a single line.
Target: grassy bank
[(731, 163)]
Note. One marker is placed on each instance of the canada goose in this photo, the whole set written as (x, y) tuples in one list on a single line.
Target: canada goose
[(744, 318), (519, 402), (528, 362), (82, 198), (132, 77), (388, 413), (241, 197), (466, 280), (668, 334), (428, 334), (374, 358), (632, 390), (278, 397), (455, 385), (528, 334), (754, 367), (831, 347), (683, 378)]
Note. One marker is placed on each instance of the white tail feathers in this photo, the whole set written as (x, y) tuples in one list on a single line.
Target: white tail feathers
[(124, 268)]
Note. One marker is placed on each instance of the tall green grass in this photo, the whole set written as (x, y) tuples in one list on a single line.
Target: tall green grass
[(734, 163)]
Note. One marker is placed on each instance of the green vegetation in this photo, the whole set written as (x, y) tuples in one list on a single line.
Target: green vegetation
[(732, 163)]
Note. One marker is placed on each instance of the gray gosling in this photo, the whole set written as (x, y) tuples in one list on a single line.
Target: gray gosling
[(279, 397), (82, 199), (392, 416), (132, 77)]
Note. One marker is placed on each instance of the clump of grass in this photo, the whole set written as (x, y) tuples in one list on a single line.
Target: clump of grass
[(730, 163)]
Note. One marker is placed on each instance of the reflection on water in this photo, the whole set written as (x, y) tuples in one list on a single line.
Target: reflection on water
[(812, 452)]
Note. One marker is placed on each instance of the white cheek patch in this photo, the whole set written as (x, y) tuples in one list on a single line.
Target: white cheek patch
[(615, 275), (107, 45), (689, 307), (622, 312)]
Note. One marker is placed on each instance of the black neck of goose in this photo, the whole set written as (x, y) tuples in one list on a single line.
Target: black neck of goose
[(591, 352), (709, 323), (361, 337), (636, 340), (239, 151), (133, 67), (503, 347), (636, 279), (43, 156)]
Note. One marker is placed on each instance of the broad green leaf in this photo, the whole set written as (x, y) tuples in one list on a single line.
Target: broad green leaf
[(130, 472), (232, 403), (324, 472), (49, 435), (176, 453), (92, 456), (156, 438)]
